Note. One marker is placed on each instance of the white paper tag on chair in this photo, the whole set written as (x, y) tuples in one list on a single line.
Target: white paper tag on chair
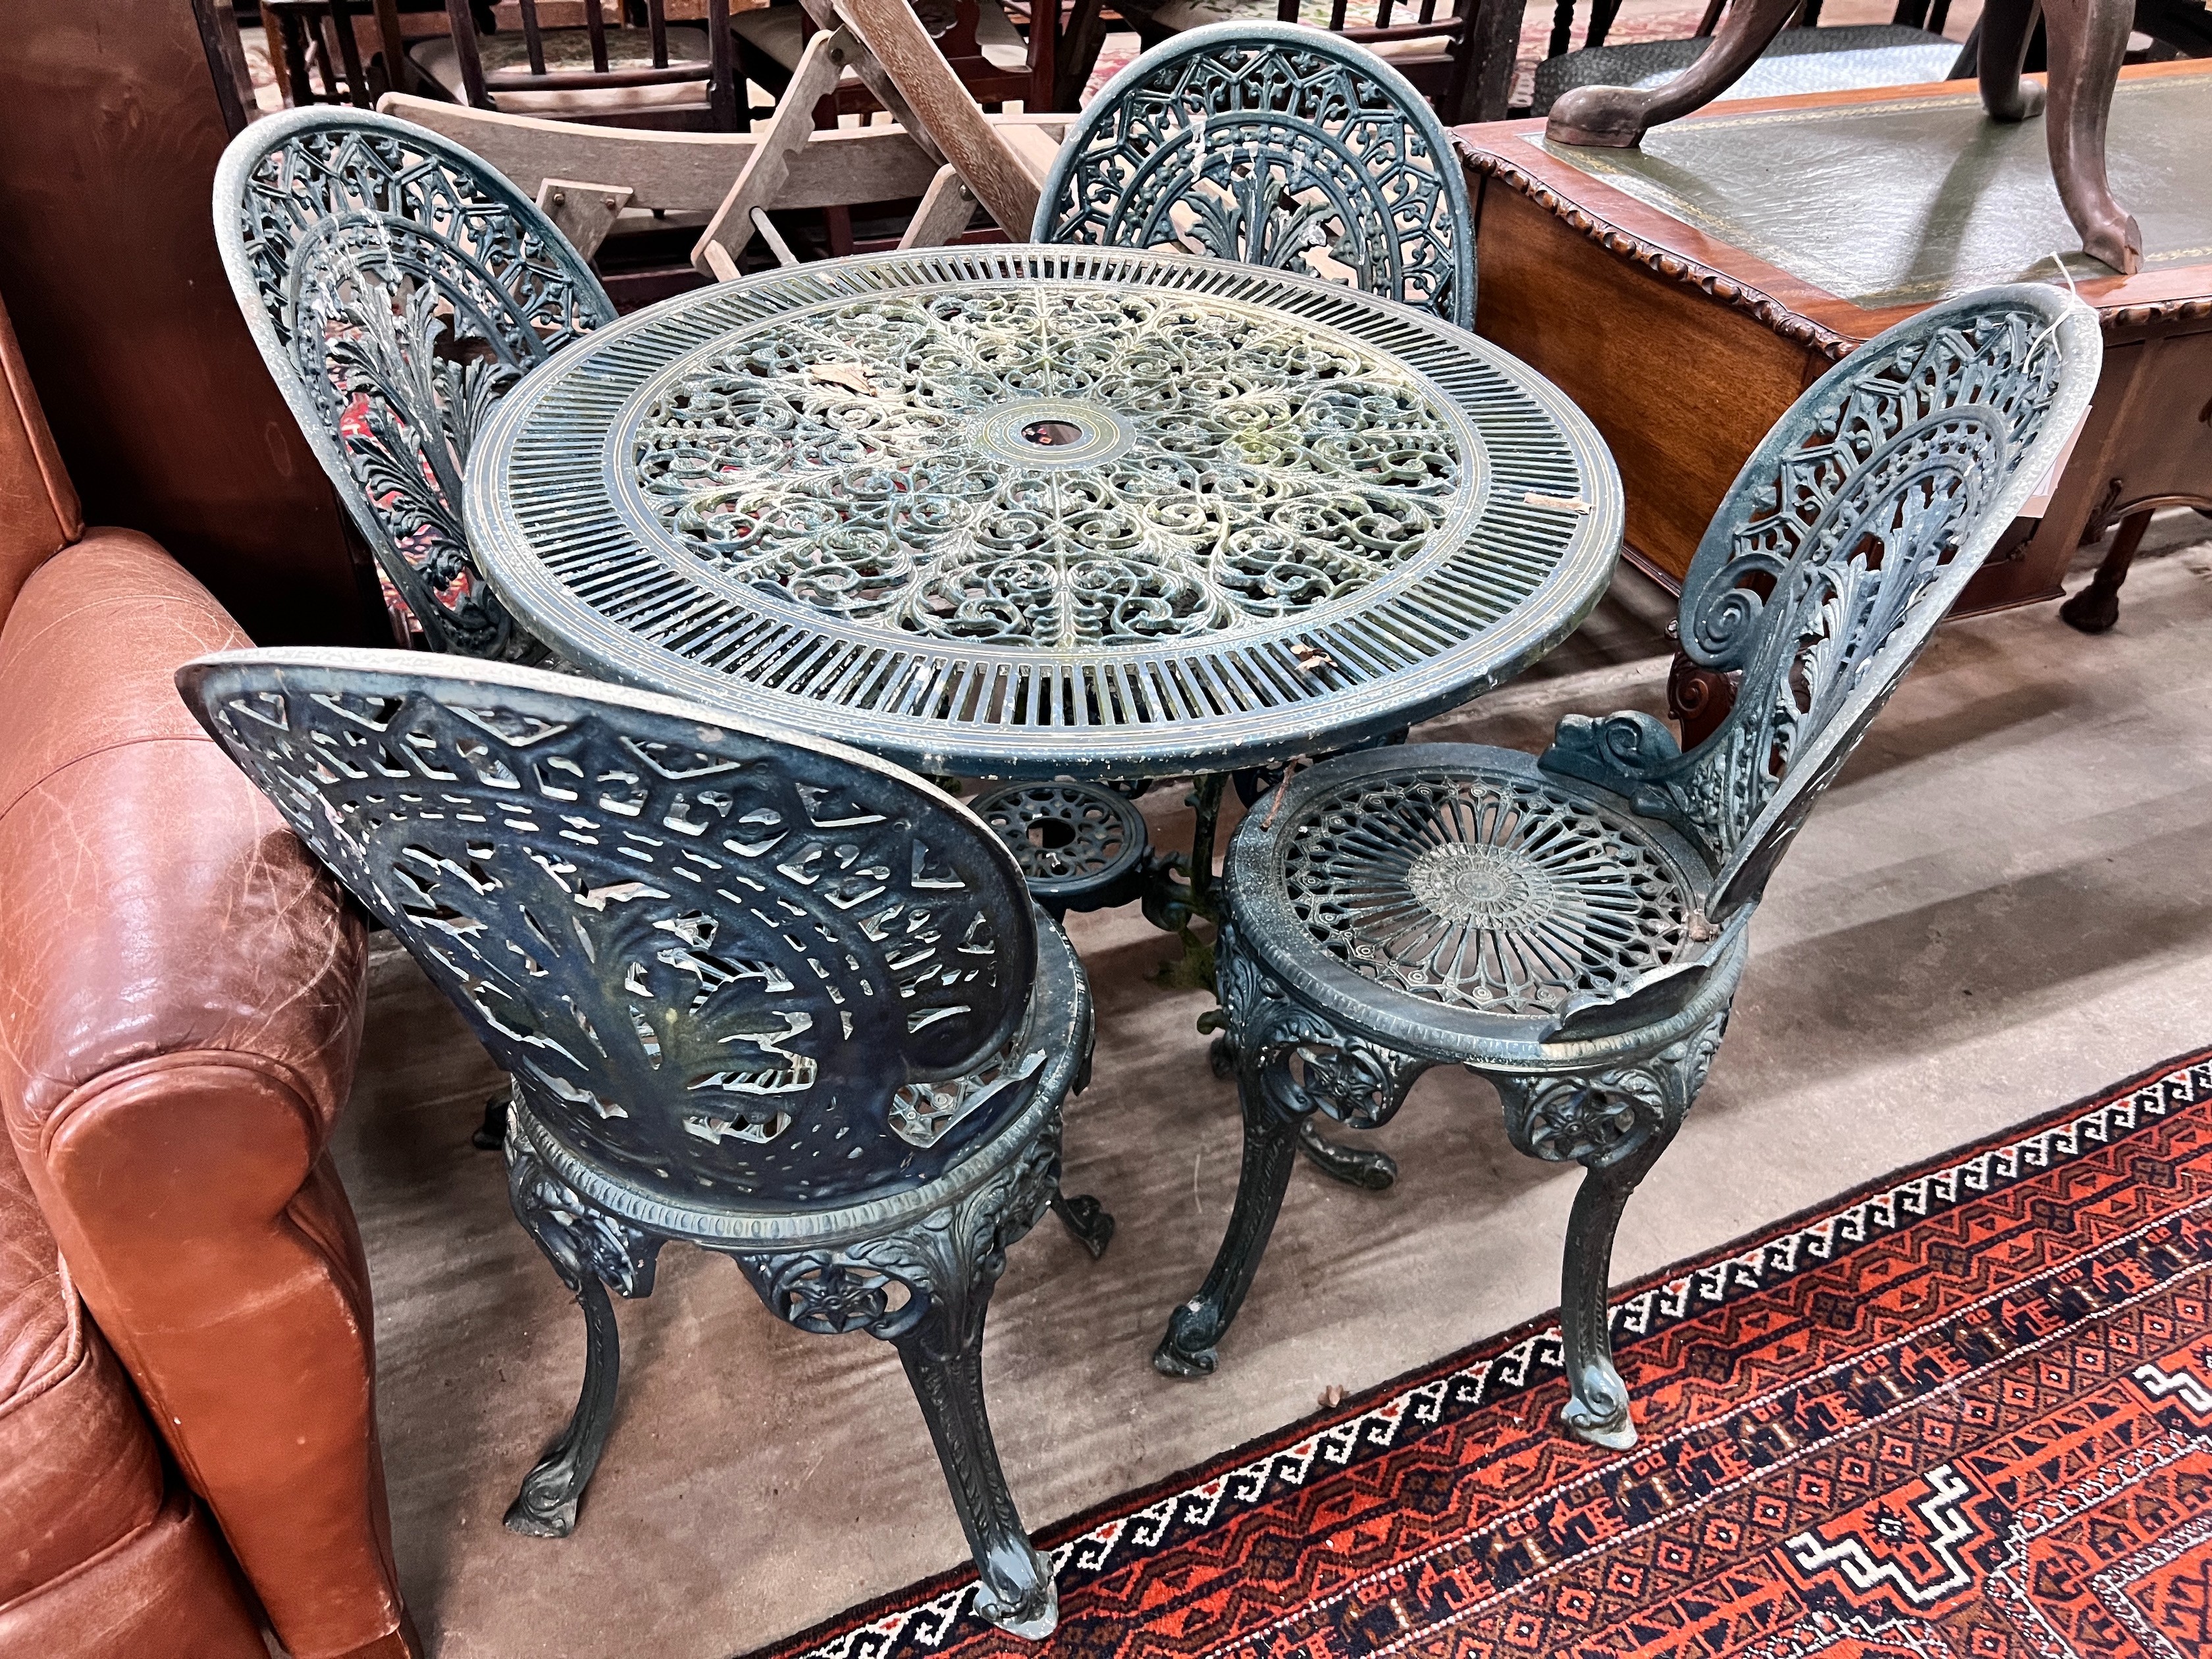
[(2047, 486)]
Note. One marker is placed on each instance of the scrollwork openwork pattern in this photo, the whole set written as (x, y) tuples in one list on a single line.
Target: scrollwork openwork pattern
[(1272, 146), (1058, 468), (1830, 562), (730, 970), (398, 288)]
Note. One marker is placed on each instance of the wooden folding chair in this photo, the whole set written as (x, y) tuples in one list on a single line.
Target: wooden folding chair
[(592, 180), (982, 158)]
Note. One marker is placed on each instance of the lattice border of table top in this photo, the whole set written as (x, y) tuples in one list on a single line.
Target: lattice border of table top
[(547, 472)]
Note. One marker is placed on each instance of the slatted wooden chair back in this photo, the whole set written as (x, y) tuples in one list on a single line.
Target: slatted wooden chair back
[(338, 73), (1445, 76)]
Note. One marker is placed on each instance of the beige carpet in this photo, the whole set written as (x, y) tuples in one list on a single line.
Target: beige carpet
[(2006, 902)]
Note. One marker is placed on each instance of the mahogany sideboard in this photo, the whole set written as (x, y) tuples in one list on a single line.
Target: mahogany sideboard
[(1685, 293)]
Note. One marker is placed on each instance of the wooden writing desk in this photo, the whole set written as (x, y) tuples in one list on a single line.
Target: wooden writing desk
[(1685, 293)]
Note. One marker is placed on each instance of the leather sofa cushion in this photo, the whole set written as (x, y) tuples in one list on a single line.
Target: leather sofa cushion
[(78, 1468), (124, 830), (39, 512), (164, 1591)]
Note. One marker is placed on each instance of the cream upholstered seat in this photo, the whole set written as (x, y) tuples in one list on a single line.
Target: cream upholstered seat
[(569, 49)]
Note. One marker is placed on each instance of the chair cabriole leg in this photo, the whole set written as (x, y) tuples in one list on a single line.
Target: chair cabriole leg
[(925, 1288), (1615, 1123), (943, 1354), (1360, 1083), (1271, 1150), (589, 1250)]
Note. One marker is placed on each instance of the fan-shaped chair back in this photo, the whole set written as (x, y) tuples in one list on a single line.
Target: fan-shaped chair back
[(1272, 144), (1844, 540), (397, 288), (729, 970)]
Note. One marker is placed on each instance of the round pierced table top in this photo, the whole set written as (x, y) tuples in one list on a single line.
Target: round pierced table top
[(1039, 511)]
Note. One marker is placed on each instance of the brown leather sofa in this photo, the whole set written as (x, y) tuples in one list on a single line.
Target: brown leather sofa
[(187, 1416)]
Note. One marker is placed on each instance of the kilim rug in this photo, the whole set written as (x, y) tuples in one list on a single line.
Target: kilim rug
[(1965, 1413)]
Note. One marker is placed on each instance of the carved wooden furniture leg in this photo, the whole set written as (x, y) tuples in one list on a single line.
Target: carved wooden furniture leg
[(2096, 607), (589, 1250), (1618, 116), (1615, 1123), (2001, 37), (2088, 40), (1492, 42)]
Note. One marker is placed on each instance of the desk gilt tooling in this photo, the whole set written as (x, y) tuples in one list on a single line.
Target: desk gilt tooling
[(1042, 511)]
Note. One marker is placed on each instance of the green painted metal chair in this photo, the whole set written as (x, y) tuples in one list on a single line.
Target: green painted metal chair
[(1573, 927)]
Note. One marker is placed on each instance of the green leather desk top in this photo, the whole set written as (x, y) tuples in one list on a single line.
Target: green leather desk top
[(1909, 200)]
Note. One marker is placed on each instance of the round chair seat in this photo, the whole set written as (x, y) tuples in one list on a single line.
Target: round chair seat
[(1080, 846), (1458, 890)]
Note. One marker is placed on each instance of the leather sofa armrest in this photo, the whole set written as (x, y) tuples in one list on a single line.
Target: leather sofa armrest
[(180, 998)]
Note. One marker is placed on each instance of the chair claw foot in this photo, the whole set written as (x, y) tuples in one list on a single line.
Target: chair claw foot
[(1032, 1616), (1616, 1437), (542, 1511), (2093, 610), (1598, 1413), (1188, 1349)]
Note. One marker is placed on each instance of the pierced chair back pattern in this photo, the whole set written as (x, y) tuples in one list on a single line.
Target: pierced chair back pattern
[(1272, 144), (731, 971), (1846, 539), (397, 288)]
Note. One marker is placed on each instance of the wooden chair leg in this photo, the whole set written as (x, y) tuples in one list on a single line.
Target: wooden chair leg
[(946, 207), (2096, 607), (1078, 53), (768, 167), (1618, 116), (2088, 41), (895, 38)]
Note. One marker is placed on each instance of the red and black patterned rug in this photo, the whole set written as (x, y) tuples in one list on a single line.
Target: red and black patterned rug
[(1965, 1413)]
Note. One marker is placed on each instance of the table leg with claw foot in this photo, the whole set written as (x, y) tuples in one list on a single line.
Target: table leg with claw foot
[(1086, 1218)]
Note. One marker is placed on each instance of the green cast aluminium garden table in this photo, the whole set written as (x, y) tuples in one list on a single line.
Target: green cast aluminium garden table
[(1042, 513)]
